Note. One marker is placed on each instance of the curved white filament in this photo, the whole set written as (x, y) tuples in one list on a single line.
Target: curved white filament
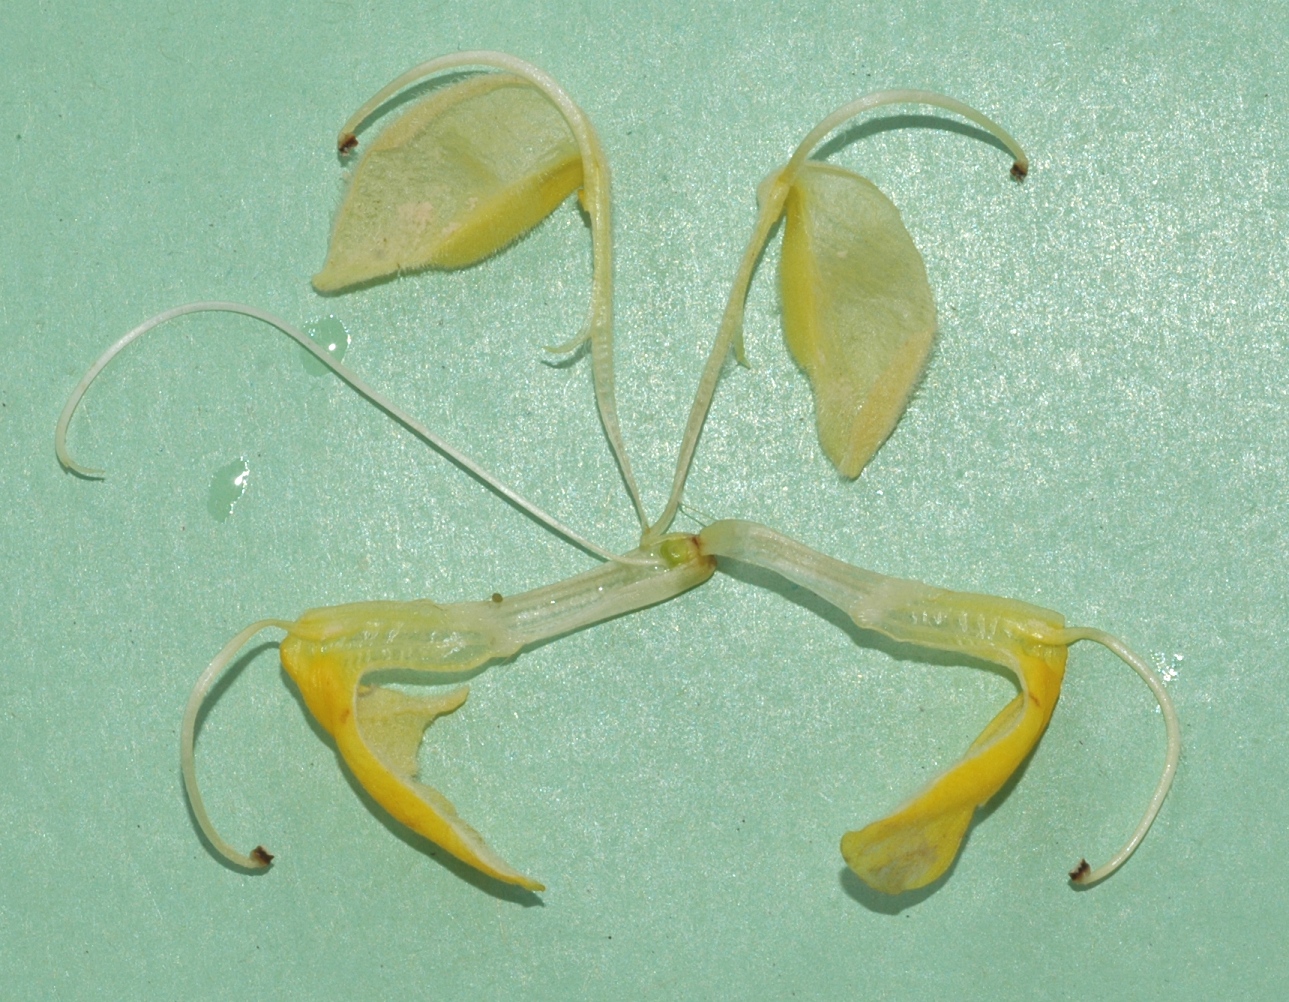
[(1083, 873), (257, 859), (345, 373)]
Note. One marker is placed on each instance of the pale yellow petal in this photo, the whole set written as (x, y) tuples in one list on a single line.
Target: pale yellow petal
[(393, 723), (858, 314), (459, 176)]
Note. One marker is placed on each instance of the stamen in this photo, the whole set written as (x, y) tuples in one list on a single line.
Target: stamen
[(1084, 874), (349, 376), (259, 857)]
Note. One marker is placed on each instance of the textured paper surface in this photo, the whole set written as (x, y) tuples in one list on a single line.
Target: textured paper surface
[(1102, 431)]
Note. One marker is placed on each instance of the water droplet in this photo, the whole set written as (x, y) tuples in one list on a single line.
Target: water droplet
[(227, 485), (331, 336), (1168, 669)]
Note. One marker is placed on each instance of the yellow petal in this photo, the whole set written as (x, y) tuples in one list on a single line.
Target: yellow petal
[(858, 314), (378, 730), (459, 176), (916, 844)]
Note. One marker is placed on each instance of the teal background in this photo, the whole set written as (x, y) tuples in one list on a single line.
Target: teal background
[(1102, 430)]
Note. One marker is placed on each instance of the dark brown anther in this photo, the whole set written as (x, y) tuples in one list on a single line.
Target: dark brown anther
[(1080, 872), (347, 144), (1019, 171), (261, 855)]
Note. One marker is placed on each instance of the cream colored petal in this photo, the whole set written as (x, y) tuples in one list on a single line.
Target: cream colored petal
[(459, 176), (393, 723), (858, 314)]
